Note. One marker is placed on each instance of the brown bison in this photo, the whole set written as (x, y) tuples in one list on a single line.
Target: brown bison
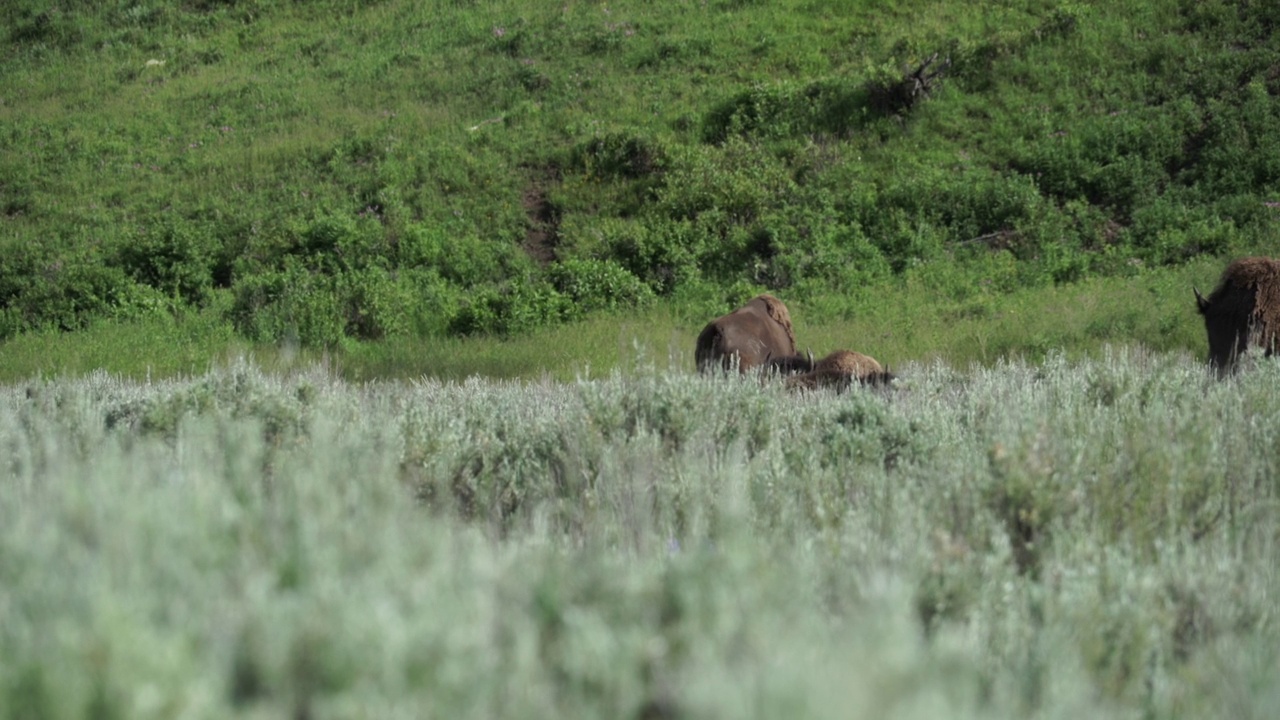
[(1244, 310), (752, 334), (839, 369)]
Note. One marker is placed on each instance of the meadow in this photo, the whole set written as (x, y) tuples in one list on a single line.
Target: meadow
[(1073, 537), (347, 347)]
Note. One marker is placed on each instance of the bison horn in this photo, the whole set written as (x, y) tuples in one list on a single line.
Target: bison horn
[(1201, 302)]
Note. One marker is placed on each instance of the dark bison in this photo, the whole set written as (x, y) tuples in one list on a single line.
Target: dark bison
[(752, 334), (790, 364), (1243, 310), (839, 370)]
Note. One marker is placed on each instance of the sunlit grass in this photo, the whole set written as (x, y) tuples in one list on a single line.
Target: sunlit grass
[(898, 323)]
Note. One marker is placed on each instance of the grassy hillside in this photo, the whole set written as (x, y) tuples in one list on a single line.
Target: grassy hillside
[(314, 173), (1054, 540)]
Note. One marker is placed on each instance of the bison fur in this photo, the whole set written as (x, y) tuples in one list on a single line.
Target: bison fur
[(840, 370), (1243, 311), (748, 337)]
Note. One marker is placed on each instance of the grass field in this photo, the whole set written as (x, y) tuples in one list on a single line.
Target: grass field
[(1061, 539), (917, 320), (346, 360)]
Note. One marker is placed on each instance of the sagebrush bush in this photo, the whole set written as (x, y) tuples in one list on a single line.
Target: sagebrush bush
[(1015, 539)]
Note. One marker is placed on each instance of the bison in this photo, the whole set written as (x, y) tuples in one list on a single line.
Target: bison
[(790, 364), (839, 369), (752, 334), (1243, 310)]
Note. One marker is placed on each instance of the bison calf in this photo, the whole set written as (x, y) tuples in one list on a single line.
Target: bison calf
[(839, 370)]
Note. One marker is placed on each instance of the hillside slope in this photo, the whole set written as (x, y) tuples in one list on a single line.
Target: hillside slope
[(367, 170)]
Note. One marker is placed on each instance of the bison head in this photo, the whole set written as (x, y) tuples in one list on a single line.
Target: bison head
[(1227, 328)]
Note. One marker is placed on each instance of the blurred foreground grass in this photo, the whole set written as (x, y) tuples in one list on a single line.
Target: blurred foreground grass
[(1062, 539)]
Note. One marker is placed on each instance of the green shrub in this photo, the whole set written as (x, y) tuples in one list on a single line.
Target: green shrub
[(663, 253), (706, 214), (35, 23), (432, 302), (806, 246), (1118, 161), (338, 242), (621, 155), (41, 287), (176, 257), (592, 285), (786, 111), (1167, 231), (964, 206), (463, 259), (292, 304), (738, 180), (318, 310), (375, 303), (517, 306)]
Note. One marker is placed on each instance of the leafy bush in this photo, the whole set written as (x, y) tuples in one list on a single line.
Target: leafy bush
[(592, 285), (665, 254), (43, 288), (462, 259), (292, 304), (515, 307), (320, 310), (432, 302), (176, 257), (812, 247), (786, 111), (375, 303), (621, 155)]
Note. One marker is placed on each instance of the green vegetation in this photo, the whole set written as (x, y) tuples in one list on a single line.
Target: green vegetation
[(1054, 540), (276, 217), (913, 324), (313, 174)]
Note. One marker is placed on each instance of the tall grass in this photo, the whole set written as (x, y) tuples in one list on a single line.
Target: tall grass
[(1059, 539), (927, 316)]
